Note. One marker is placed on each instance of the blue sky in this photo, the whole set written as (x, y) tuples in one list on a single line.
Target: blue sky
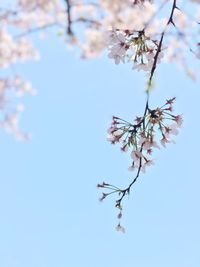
[(50, 213)]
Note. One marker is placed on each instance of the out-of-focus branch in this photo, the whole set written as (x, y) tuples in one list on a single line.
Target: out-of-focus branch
[(88, 21), (69, 19), (37, 29)]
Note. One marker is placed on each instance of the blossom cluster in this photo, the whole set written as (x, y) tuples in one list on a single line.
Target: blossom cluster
[(140, 138), (12, 50), (156, 128), (134, 28), (14, 88), (136, 47)]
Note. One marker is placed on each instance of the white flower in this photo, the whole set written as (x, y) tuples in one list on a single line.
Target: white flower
[(179, 120), (131, 168), (173, 129), (117, 53), (164, 141), (111, 138), (147, 163), (148, 144), (117, 46), (136, 155)]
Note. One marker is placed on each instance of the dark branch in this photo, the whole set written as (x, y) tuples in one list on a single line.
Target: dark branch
[(69, 19), (170, 20)]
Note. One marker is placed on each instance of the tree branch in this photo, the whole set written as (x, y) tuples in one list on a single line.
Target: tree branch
[(69, 19)]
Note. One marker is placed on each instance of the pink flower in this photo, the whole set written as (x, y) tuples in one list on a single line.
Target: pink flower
[(111, 138), (172, 129), (136, 155), (147, 163), (179, 120), (164, 141), (148, 144), (117, 47), (124, 148)]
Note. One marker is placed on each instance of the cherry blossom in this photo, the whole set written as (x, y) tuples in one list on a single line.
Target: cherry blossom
[(133, 36), (141, 137), (141, 33)]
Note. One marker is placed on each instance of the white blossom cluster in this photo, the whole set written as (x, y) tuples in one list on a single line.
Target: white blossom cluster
[(145, 134), (12, 51), (140, 138), (134, 28), (134, 47), (10, 112)]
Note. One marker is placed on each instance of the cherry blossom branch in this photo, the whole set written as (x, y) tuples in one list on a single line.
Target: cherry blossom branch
[(139, 40), (156, 13), (140, 136), (174, 6), (89, 21), (38, 29), (170, 20), (127, 190), (69, 20)]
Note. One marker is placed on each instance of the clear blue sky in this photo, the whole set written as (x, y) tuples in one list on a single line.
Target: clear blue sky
[(50, 213)]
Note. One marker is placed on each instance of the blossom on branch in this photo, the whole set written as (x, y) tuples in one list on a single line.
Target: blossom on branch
[(141, 137), (134, 47)]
